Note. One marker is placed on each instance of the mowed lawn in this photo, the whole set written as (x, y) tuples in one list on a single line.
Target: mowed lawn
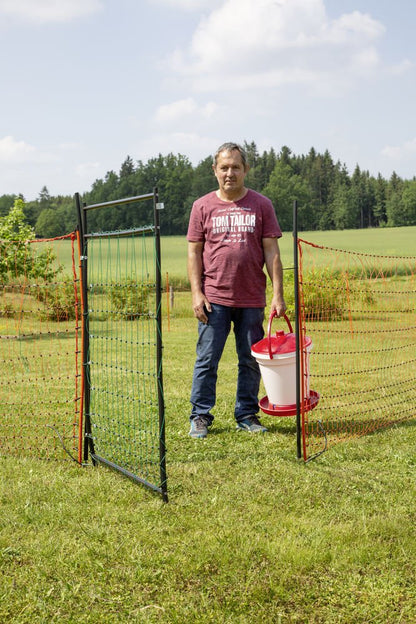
[(250, 534)]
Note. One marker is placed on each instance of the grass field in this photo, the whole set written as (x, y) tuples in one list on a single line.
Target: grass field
[(385, 241), (250, 535)]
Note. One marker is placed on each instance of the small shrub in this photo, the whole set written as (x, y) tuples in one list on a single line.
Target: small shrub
[(7, 309), (323, 295), (326, 295), (58, 300), (130, 298), (17, 256)]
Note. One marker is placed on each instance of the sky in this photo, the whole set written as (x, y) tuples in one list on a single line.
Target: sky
[(86, 83)]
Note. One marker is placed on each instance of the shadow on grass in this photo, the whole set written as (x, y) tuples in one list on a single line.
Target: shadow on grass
[(280, 425), (354, 428), (48, 335)]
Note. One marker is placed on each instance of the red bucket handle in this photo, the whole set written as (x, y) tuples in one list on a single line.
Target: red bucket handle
[(272, 315)]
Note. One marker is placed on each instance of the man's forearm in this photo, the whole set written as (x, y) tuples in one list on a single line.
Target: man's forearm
[(195, 272), (277, 279)]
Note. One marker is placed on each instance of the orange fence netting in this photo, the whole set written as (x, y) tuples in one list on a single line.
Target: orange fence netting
[(359, 309), (40, 359)]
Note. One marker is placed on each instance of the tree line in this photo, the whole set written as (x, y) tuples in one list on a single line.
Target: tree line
[(329, 196)]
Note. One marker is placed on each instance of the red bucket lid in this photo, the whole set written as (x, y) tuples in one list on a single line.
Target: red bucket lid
[(280, 343)]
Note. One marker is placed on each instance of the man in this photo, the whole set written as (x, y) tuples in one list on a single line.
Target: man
[(232, 234)]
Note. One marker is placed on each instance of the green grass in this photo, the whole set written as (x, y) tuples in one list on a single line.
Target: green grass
[(250, 535), (382, 241), (377, 241)]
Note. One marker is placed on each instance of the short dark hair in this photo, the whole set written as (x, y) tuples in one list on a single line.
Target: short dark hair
[(230, 147)]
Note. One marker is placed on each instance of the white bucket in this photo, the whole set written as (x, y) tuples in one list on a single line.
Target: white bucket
[(279, 377), (276, 356)]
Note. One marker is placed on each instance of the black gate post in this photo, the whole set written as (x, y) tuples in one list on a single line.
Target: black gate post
[(82, 225), (297, 330), (159, 348)]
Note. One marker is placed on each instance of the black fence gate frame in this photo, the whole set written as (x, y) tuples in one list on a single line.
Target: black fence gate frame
[(89, 451)]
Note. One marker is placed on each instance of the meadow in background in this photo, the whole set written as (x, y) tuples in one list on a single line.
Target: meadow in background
[(378, 241)]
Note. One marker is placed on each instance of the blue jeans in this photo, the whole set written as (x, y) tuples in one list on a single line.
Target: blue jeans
[(248, 329)]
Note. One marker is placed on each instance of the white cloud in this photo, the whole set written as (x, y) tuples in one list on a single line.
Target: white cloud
[(187, 5), (18, 152), (88, 170), (275, 42), (210, 109), (401, 68), (41, 11), (178, 109), (70, 146), (400, 152), (184, 109), (190, 144), (15, 151), (353, 26)]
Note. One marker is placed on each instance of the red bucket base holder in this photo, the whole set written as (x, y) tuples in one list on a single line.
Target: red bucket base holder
[(288, 410)]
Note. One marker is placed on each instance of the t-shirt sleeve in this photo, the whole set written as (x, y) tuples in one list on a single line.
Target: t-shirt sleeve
[(195, 232), (271, 227)]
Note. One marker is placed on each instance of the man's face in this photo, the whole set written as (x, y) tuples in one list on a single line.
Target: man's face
[(230, 172)]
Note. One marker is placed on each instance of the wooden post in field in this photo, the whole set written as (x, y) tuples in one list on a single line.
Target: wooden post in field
[(167, 300)]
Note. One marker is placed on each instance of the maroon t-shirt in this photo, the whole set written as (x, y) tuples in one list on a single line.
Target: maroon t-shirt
[(232, 257)]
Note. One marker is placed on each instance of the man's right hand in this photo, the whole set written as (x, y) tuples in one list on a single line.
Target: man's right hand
[(201, 306)]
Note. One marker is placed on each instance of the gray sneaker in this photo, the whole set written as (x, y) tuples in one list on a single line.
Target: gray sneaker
[(199, 427), (251, 424)]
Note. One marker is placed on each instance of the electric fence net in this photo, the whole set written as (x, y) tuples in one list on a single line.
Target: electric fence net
[(359, 309), (122, 369), (40, 380)]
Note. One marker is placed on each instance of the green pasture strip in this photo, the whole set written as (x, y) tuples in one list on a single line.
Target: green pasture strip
[(250, 534), (380, 241)]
